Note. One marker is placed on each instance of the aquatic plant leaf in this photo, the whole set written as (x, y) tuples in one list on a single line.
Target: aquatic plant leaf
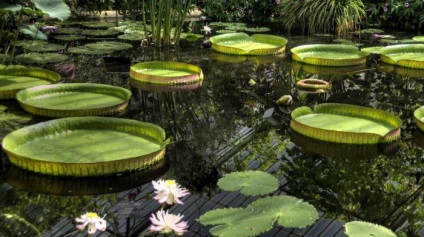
[(87, 146), (374, 49), (405, 55), (290, 212), (236, 222), (41, 58), (418, 38), (243, 44), (362, 228), (74, 99), (10, 7), (11, 120), (249, 182), (166, 73), (100, 33), (109, 46), (344, 123), (54, 8), (69, 38), (87, 50), (14, 78), (32, 31), (329, 55), (45, 48)]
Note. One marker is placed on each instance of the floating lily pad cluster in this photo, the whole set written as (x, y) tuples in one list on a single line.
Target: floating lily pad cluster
[(261, 215)]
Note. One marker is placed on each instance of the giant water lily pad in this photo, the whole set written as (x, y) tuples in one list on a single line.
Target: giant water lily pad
[(362, 228), (100, 33), (69, 38), (109, 46), (45, 48), (405, 55), (344, 123), (419, 117), (326, 70), (329, 55), (166, 73), (15, 78), (41, 58), (86, 146), (243, 44), (74, 99), (418, 38)]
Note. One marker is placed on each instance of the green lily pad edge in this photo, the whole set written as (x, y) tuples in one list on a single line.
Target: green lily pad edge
[(350, 124)]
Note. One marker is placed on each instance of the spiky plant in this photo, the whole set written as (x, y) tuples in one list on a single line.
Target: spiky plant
[(335, 16)]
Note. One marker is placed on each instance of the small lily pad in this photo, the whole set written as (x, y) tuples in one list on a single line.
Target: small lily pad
[(87, 50), (418, 38), (260, 216), (69, 38), (249, 182), (361, 229)]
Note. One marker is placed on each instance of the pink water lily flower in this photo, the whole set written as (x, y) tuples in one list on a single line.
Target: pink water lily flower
[(168, 191), (167, 223), (92, 220), (49, 29)]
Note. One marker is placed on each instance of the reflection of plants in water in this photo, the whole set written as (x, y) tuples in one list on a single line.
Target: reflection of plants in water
[(370, 189), (31, 207)]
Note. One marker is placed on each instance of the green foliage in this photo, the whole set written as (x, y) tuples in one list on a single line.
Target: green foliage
[(311, 16), (32, 31), (249, 182), (401, 14), (54, 8), (361, 228), (242, 10), (260, 216)]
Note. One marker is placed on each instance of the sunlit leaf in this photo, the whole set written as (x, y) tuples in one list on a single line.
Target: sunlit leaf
[(249, 182), (361, 229), (54, 8)]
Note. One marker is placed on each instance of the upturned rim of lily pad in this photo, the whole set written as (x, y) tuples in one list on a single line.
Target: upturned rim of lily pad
[(325, 55), (174, 73), (389, 124), (404, 55), (23, 71), (44, 100), (17, 146), (241, 43), (313, 84)]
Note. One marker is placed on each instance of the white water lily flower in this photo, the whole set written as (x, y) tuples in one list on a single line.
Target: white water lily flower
[(167, 223), (168, 191), (92, 220), (207, 29)]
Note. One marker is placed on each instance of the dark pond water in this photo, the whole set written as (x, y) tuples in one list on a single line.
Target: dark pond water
[(228, 125)]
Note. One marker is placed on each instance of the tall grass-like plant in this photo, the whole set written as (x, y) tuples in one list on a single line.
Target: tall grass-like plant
[(334, 16), (164, 15)]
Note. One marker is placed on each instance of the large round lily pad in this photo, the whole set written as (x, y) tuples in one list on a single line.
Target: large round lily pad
[(345, 123), (86, 146), (243, 44), (41, 58), (15, 78), (69, 38), (45, 48), (100, 33), (74, 99), (419, 117), (329, 55), (109, 46), (405, 55), (166, 73)]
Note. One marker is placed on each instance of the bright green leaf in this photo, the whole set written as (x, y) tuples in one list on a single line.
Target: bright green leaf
[(54, 8), (249, 182), (365, 229)]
